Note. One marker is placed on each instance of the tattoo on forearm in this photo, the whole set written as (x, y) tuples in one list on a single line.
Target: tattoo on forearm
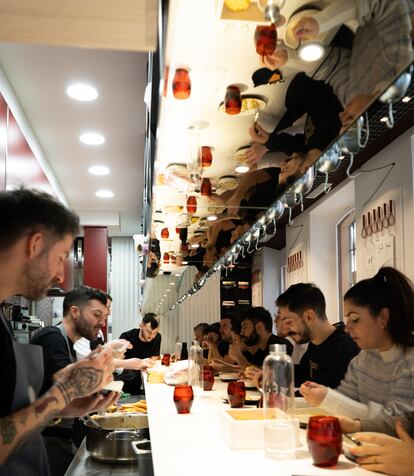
[(7, 430), (23, 416), (39, 409), (80, 383)]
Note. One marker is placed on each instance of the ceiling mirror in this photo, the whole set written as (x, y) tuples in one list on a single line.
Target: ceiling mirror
[(261, 103)]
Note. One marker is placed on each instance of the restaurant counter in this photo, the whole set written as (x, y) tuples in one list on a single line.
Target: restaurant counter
[(193, 442)]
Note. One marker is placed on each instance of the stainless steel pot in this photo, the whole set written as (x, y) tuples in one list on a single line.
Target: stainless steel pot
[(305, 183), (350, 141), (329, 161), (108, 446), (397, 89)]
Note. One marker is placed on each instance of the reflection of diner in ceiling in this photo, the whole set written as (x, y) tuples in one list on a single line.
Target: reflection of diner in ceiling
[(380, 51), (154, 257)]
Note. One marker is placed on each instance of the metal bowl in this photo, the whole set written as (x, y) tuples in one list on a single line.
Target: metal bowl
[(329, 161), (305, 183), (290, 199), (397, 89), (350, 141), (276, 211)]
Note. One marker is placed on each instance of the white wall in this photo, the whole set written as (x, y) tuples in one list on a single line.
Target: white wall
[(272, 263), (317, 241), (203, 306), (124, 285), (397, 186)]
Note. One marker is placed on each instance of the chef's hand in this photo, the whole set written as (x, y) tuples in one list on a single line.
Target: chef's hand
[(349, 425), (81, 407), (386, 454), (118, 347), (87, 376), (306, 29), (313, 393)]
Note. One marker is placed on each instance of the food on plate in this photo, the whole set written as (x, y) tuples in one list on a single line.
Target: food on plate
[(237, 5), (137, 407), (155, 376)]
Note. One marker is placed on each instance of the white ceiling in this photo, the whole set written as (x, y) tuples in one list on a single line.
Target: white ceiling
[(39, 76)]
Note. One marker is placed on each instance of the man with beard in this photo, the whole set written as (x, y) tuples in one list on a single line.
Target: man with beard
[(302, 308), (84, 315), (256, 332), (146, 343), (36, 236)]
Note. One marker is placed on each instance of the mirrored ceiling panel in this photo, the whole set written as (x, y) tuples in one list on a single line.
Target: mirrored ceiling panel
[(254, 94)]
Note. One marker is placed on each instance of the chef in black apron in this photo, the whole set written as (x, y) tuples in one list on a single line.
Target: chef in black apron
[(30, 458)]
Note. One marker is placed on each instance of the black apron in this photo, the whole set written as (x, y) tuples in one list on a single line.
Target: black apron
[(31, 458)]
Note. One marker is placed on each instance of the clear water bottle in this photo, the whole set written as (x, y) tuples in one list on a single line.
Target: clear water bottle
[(278, 379), (278, 393), (195, 365)]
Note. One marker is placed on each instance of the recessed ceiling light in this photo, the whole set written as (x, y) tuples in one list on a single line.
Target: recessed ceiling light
[(178, 275), (99, 170), (92, 138), (185, 262), (173, 284), (212, 218), (104, 194), (311, 51), (242, 168), (82, 92), (384, 119), (406, 99), (168, 290), (195, 245)]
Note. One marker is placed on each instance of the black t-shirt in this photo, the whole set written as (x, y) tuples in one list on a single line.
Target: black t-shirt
[(327, 363), (223, 348), (141, 350), (55, 353), (258, 357), (7, 369)]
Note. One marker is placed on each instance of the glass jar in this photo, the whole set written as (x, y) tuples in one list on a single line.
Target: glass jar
[(205, 189), (265, 39), (278, 380), (232, 100), (181, 84), (208, 378), (195, 363), (191, 204), (206, 156)]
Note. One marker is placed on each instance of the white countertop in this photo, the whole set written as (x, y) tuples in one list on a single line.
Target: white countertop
[(193, 442)]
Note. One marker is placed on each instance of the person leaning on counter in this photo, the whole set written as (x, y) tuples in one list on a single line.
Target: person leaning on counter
[(35, 240), (84, 315)]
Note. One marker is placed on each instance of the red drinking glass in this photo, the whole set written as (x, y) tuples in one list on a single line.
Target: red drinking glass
[(181, 84), (191, 204), (232, 100), (236, 392), (324, 440), (166, 258), (166, 360), (205, 189), (183, 398), (206, 156), (208, 378), (177, 230), (165, 234), (265, 39)]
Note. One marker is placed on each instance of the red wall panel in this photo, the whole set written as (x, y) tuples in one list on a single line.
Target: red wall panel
[(95, 257), (3, 142)]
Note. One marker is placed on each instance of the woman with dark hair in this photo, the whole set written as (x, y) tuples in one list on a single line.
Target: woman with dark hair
[(379, 314)]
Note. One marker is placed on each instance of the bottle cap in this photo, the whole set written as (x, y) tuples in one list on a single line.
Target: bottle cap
[(277, 348)]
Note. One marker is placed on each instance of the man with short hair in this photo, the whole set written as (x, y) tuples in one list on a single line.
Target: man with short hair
[(146, 343), (256, 331), (199, 331), (302, 308), (282, 330), (36, 236), (84, 315)]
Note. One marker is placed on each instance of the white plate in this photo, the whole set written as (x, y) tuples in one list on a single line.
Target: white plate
[(114, 386), (228, 377)]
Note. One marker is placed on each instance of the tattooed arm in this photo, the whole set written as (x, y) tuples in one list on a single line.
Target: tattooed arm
[(74, 381)]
